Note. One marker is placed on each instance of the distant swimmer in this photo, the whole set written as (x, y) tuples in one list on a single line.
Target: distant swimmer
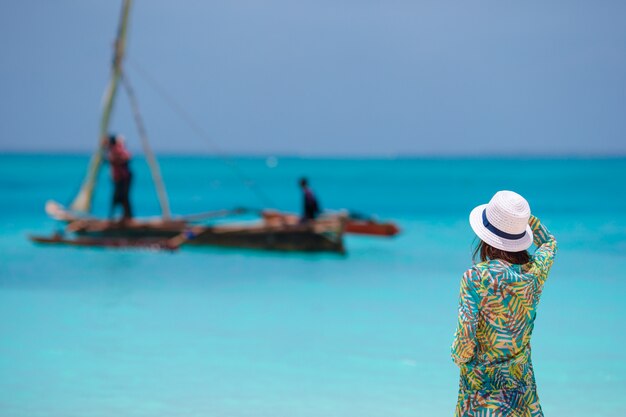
[(119, 159), (310, 207)]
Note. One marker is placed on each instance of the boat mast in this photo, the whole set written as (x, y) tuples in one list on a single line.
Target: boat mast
[(82, 201)]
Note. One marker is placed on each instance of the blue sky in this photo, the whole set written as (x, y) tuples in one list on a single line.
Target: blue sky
[(323, 77)]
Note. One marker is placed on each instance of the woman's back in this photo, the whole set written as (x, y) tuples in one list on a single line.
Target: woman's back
[(506, 311)]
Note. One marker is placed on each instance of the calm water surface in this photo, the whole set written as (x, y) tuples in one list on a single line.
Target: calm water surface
[(214, 332)]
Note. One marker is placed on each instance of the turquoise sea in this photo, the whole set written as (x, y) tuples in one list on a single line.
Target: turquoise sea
[(216, 332)]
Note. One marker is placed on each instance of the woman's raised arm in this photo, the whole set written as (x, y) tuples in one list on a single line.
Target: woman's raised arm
[(544, 255)]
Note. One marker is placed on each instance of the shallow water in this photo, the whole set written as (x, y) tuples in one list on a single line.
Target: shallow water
[(88, 332)]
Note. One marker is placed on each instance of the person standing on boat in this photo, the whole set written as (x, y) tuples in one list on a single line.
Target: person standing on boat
[(497, 309), (310, 206), (119, 159)]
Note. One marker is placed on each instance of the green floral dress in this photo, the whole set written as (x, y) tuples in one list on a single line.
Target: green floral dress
[(491, 346)]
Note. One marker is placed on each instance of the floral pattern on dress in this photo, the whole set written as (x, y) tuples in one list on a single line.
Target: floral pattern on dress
[(497, 310)]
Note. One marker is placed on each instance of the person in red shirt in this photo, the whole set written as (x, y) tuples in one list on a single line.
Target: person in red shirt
[(119, 160), (310, 205)]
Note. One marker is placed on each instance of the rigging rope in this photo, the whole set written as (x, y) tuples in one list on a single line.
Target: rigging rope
[(201, 133)]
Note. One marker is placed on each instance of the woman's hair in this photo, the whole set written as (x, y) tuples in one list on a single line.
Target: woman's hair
[(484, 252)]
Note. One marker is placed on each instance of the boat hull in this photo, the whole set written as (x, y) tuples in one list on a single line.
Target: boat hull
[(353, 226), (290, 239), (309, 237), (371, 228)]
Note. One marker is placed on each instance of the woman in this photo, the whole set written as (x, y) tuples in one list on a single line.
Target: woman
[(499, 297)]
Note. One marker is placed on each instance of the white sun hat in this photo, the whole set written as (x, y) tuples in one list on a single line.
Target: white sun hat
[(503, 222)]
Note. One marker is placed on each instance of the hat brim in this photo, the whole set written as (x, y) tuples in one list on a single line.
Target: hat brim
[(487, 236)]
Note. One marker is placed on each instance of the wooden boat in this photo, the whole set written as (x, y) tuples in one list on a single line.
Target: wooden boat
[(355, 224), (323, 236), (168, 232)]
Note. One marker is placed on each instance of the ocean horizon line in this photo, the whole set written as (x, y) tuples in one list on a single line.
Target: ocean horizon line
[(339, 155)]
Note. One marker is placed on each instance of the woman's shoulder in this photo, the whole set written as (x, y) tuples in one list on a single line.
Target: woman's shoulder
[(493, 267), (482, 267), (475, 272)]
